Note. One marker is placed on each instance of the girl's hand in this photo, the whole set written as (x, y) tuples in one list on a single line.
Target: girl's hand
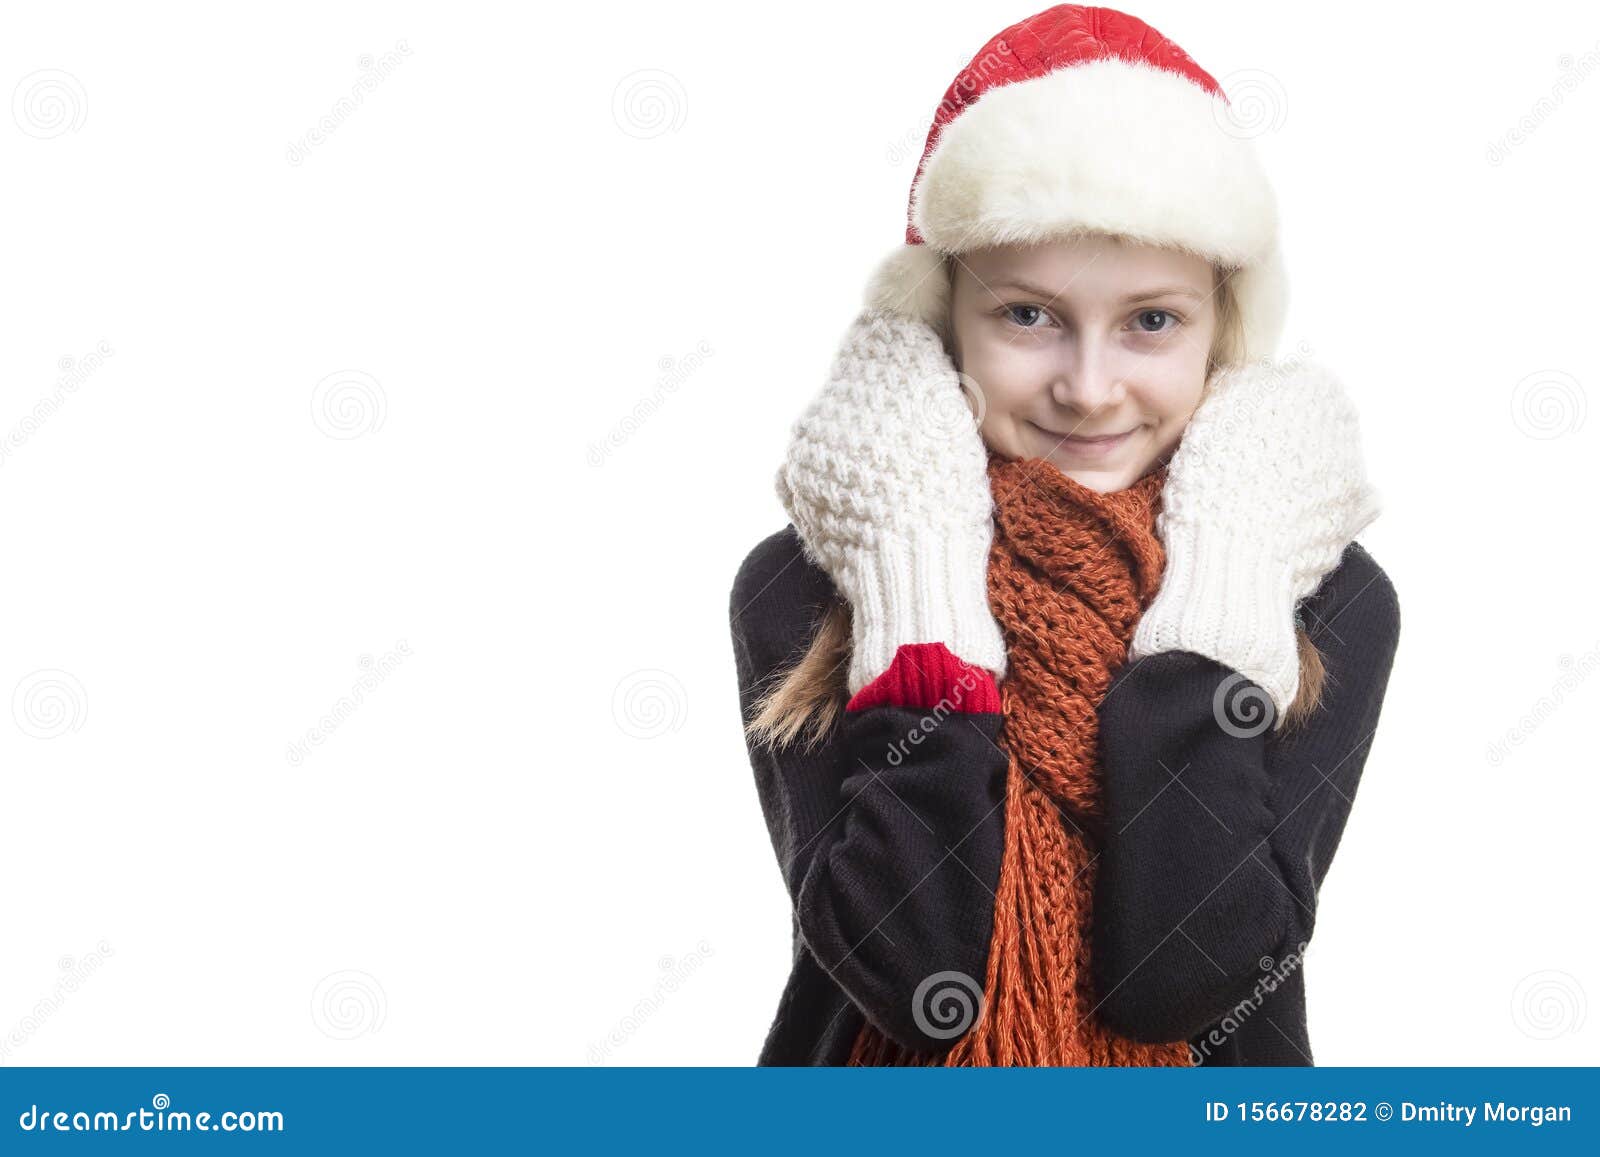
[(886, 481), (1262, 496)]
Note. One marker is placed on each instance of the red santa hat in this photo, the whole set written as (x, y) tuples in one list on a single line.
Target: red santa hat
[(1087, 119)]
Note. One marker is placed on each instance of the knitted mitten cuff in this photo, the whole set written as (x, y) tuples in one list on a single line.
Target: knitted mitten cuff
[(926, 590), (1223, 597)]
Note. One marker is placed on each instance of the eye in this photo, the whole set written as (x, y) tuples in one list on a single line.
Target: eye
[(1160, 316), (1033, 312)]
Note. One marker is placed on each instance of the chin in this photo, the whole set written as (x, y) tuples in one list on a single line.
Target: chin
[(1104, 479)]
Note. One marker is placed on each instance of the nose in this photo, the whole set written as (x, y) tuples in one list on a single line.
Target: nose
[(1085, 379)]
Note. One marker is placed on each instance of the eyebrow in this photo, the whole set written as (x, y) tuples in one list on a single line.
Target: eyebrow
[(1142, 295)]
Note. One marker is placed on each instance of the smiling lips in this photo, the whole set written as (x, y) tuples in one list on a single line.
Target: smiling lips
[(1087, 447)]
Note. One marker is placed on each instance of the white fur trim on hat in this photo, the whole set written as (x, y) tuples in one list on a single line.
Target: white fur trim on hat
[(1262, 291), (1109, 146), (1113, 146)]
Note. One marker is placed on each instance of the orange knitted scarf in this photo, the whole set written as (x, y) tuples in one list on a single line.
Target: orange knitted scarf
[(1070, 572)]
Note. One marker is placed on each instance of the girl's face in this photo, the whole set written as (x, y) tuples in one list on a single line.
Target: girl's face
[(1082, 339)]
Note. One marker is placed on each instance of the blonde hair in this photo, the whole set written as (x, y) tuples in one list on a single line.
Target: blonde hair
[(804, 702)]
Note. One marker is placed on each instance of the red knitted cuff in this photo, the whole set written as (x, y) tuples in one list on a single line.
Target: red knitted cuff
[(923, 675)]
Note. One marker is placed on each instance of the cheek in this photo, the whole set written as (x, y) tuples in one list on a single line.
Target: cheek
[(1172, 396), (1005, 375), (1173, 403)]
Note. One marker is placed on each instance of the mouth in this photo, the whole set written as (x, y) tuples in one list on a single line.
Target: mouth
[(1078, 445)]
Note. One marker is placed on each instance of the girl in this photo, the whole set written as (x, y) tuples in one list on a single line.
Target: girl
[(1057, 715)]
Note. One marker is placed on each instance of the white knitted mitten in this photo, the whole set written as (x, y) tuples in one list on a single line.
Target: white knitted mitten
[(1264, 493), (887, 482)]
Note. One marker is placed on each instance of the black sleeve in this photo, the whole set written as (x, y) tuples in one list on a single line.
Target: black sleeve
[(1220, 832), (889, 834)]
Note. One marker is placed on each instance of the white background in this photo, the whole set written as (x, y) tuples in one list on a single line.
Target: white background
[(499, 372)]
